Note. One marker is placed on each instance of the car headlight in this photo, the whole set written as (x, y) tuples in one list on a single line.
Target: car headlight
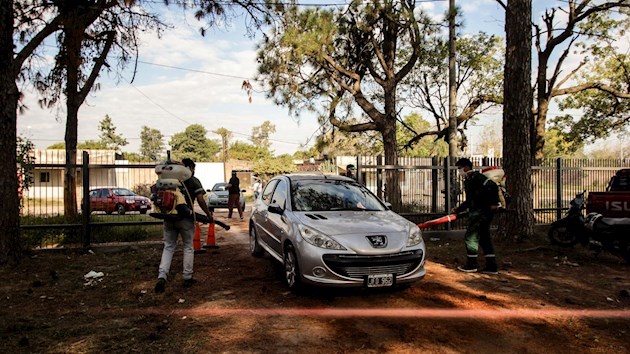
[(130, 201), (318, 239), (415, 236)]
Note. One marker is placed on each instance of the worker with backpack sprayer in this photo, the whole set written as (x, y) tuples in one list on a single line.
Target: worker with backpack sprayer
[(482, 201)]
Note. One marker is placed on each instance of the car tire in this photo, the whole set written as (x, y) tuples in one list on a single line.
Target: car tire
[(254, 247), (291, 269), (120, 209)]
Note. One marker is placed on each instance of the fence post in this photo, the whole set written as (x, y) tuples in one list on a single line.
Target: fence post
[(379, 177), (85, 207), (558, 188), (447, 188), (359, 178), (434, 184)]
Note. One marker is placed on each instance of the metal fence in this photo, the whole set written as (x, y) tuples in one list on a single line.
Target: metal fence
[(43, 222), (425, 192)]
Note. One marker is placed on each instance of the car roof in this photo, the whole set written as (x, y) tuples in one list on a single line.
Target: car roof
[(317, 177)]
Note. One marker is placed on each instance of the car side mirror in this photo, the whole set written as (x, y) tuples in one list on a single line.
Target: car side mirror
[(276, 209), (388, 205)]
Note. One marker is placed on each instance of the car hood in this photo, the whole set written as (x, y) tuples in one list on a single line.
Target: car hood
[(351, 228), (354, 222), (220, 193)]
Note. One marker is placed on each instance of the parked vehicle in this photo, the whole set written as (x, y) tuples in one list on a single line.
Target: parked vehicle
[(332, 231), (569, 230), (118, 200), (218, 196), (615, 201), (595, 230)]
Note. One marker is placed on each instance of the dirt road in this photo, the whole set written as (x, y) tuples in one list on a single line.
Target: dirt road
[(544, 301)]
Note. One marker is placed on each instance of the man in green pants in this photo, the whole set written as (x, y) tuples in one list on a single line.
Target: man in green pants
[(482, 201)]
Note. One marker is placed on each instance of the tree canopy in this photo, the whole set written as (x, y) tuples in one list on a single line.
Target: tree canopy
[(192, 143)]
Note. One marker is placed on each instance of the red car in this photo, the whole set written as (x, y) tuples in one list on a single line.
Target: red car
[(118, 200)]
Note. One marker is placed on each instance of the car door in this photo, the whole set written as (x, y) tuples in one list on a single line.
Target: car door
[(94, 200), (261, 215), (277, 224)]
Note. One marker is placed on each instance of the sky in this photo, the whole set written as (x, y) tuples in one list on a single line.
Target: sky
[(184, 78)]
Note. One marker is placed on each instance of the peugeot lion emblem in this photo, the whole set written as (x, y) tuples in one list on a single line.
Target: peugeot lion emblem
[(378, 241)]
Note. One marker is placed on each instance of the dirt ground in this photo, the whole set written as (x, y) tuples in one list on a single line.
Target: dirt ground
[(545, 300)]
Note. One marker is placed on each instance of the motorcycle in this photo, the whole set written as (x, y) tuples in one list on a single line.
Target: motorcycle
[(570, 230), (595, 231)]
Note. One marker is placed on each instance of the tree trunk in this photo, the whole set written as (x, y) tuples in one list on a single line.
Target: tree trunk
[(74, 35), (517, 118), (540, 119), (10, 245), (392, 180)]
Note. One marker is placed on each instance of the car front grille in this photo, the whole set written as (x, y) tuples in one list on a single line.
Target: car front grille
[(358, 266)]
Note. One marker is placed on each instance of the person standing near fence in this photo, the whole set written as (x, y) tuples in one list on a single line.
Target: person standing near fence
[(184, 227), (234, 195), (482, 201)]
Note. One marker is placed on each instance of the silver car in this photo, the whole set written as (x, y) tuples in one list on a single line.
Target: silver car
[(218, 196), (332, 231)]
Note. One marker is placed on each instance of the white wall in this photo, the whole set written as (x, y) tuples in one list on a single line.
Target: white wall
[(209, 173)]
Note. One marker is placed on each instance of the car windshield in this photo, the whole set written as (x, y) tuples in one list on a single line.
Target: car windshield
[(331, 195), (219, 187), (122, 192)]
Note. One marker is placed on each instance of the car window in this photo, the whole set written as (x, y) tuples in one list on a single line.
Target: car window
[(122, 192), (327, 195), (219, 187), (280, 194), (266, 194), (94, 194), (104, 193)]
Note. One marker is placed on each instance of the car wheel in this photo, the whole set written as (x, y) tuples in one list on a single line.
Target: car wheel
[(120, 209), (254, 247), (291, 269)]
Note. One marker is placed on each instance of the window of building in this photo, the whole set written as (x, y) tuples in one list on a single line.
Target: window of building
[(44, 177)]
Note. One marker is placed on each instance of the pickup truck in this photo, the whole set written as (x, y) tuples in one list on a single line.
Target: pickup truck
[(615, 201)]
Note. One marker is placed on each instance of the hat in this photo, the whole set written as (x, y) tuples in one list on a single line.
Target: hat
[(188, 162)]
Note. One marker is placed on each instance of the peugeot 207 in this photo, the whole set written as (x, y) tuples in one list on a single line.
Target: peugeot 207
[(330, 230)]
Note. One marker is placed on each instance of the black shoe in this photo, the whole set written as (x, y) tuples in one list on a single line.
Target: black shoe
[(467, 268), (490, 270), (160, 286), (189, 282)]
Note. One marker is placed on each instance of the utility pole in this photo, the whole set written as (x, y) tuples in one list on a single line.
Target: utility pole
[(452, 186), (452, 89)]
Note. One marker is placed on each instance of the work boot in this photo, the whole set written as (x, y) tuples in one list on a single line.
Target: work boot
[(160, 286), (491, 266), (189, 282), (471, 265)]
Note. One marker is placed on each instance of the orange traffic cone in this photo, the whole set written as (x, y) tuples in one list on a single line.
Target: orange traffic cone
[(197, 240), (211, 240)]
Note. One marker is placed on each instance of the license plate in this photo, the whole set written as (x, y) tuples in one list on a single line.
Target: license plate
[(143, 207), (379, 280)]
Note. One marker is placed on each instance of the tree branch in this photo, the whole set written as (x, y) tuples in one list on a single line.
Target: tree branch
[(588, 86)]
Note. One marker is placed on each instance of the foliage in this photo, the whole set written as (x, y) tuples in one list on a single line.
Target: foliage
[(260, 134), (192, 143), (91, 145), (479, 76), (226, 135), (133, 157), (598, 84), (25, 160), (556, 145), (247, 152), (413, 124), (108, 135), (151, 143), (270, 167), (57, 146)]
